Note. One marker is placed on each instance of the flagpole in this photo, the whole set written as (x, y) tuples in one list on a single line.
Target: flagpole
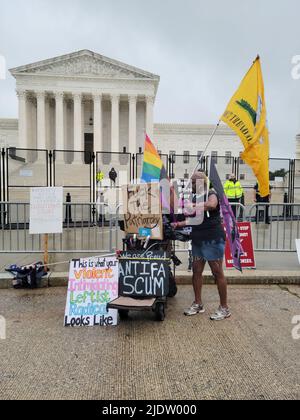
[(202, 155)]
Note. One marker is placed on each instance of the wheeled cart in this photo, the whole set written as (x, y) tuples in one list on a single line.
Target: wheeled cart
[(125, 305), (146, 278)]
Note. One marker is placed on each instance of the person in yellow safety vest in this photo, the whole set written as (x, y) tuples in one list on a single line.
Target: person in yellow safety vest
[(234, 192), (99, 177)]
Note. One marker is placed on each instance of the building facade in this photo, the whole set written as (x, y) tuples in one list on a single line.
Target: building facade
[(84, 102)]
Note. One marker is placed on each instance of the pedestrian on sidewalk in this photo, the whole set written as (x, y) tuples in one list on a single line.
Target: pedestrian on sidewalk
[(208, 245)]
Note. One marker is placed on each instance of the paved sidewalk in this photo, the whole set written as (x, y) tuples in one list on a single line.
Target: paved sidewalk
[(252, 355)]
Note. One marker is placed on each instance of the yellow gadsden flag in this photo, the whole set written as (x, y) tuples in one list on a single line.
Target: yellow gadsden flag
[(246, 114)]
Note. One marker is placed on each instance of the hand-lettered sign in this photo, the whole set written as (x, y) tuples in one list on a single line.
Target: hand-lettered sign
[(142, 209), (93, 283), (248, 259), (144, 274), (46, 210)]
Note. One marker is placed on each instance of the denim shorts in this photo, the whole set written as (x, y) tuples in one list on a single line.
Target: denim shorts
[(209, 250)]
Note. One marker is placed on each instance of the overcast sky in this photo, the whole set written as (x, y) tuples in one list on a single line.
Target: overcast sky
[(201, 49)]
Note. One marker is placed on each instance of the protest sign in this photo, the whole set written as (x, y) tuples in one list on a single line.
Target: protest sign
[(248, 259), (142, 209), (144, 274), (93, 283), (46, 210), (46, 214)]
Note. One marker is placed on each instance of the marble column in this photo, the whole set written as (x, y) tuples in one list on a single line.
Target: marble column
[(149, 116), (78, 127), (47, 124), (59, 118), (115, 123), (98, 132), (23, 118), (41, 120), (132, 124)]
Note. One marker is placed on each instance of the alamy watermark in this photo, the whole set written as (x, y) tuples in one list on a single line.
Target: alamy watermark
[(2, 67), (2, 328), (296, 67), (141, 200), (296, 329)]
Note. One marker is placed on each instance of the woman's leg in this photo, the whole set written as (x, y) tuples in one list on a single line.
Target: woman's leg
[(198, 268), (218, 273)]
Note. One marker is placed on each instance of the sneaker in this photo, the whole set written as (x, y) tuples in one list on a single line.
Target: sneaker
[(195, 310), (221, 314)]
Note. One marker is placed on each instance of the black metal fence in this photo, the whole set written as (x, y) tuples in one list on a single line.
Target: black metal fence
[(76, 171)]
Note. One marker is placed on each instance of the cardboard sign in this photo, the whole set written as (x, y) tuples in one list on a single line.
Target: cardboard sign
[(46, 210), (93, 283), (248, 259), (142, 209), (144, 275)]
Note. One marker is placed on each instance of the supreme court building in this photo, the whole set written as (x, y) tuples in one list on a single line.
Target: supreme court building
[(85, 102)]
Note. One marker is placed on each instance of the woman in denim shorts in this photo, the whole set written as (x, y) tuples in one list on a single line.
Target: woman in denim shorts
[(208, 245)]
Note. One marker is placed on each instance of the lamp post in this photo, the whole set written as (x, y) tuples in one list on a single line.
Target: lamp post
[(3, 145)]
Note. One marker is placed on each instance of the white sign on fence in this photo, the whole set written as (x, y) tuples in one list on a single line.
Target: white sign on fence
[(298, 248), (93, 283), (46, 210)]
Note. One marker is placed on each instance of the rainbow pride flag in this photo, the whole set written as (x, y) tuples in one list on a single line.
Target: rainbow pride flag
[(154, 171), (152, 166)]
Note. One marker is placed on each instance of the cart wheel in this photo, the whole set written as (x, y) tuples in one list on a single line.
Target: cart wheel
[(160, 312), (124, 315)]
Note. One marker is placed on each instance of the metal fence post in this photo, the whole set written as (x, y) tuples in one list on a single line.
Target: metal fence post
[(4, 196), (1, 189), (68, 218), (93, 187), (292, 181), (132, 177), (237, 168)]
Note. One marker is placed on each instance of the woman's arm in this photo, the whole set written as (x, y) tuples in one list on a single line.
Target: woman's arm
[(212, 203)]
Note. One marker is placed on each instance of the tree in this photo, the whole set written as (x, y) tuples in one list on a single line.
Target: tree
[(281, 173)]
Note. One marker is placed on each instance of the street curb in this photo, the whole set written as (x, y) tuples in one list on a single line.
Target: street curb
[(183, 278), (246, 280)]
